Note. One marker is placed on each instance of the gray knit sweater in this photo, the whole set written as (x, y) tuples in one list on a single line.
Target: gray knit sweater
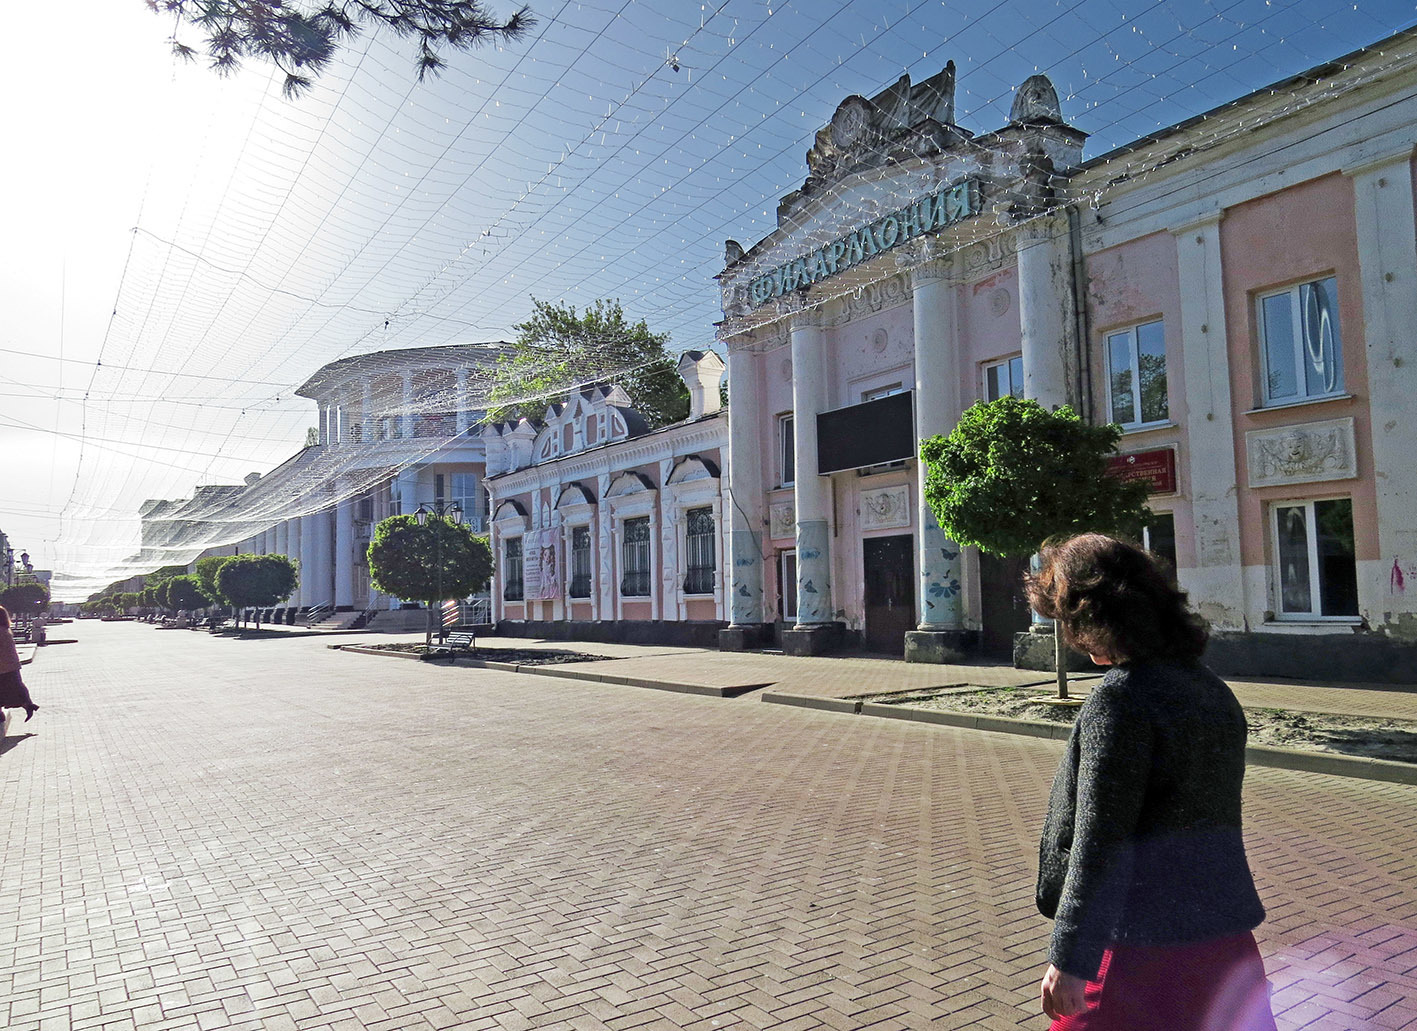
[(1142, 844)]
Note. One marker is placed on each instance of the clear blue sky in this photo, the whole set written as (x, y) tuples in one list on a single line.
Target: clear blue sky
[(212, 244)]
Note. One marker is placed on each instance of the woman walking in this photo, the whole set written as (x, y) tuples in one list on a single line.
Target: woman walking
[(13, 693), (1142, 864)]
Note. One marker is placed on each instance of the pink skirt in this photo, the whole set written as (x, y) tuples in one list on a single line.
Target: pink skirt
[(1216, 985)]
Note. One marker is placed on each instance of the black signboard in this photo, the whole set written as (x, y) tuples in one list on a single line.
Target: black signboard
[(871, 433)]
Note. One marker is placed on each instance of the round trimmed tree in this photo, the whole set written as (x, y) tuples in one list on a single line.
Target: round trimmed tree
[(1013, 474), (428, 563), (256, 581)]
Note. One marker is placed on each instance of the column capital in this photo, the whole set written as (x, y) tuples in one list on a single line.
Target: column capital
[(808, 318), (1199, 224), (1039, 230), (933, 270), (1379, 162)]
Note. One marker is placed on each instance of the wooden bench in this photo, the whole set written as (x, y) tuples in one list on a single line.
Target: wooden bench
[(464, 640)]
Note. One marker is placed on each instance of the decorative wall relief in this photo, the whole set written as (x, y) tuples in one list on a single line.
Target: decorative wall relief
[(1309, 453), (886, 507), (782, 520)]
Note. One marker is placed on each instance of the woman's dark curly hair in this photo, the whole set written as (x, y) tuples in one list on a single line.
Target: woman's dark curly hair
[(1112, 598)]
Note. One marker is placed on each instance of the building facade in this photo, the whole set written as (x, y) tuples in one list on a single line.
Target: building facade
[(1238, 292), (396, 430), (603, 529)]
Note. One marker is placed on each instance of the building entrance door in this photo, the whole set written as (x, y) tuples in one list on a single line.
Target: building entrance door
[(890, 592), (1003, 609)]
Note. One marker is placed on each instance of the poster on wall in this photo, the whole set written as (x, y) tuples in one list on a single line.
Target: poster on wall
[(548, 568)]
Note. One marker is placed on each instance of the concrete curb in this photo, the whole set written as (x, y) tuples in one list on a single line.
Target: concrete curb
[(1255, 755), (560, 672)]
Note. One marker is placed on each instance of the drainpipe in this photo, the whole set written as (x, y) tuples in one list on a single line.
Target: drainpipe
[(1084, 327)]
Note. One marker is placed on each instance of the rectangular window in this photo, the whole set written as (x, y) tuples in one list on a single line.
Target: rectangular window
[(1002, 378), (1136, 375), (580, 562), (439, 487), (512, 569), (635, 558), (1300, 342), (787, 584), (465, 494), (786, 451), (1317, 569), (701, 550), (1159, 538)]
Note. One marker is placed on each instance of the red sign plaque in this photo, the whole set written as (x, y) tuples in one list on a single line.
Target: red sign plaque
[(1157, 468)]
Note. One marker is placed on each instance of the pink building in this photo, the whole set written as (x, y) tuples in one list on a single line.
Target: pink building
[(1239, 292)]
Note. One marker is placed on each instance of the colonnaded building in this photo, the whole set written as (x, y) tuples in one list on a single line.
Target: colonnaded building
[(396, 430), (1239, 292)]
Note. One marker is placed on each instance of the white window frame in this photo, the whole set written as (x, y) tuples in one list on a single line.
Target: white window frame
[(506, 565), (786, 445), (1129, 333), (1311, 532), (571, 529), (1007, 365), (879, 392), (1301, 346), (787, 589)]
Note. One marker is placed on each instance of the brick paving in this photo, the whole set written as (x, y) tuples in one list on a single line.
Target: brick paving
[(202, 833)]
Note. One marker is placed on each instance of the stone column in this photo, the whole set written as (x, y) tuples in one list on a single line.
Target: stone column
[(408, 490), (282, 532), (301, 554), (1216, 582), (268, 541), (406, 412), (746, 625), (344, 551), (1048, 329), (462, 402), (940, 635), (324, 557), (366, 411), (1046, 313), (1382, 192), (816, 629)]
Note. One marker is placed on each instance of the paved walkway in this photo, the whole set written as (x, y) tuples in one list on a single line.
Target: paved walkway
[(840, 677), (205, 833)]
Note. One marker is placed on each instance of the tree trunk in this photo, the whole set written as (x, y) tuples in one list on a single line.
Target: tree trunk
[(1060, 652), (428, 633)]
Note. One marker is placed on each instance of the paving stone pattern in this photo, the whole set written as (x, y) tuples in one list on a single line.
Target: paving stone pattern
[(204, 833)]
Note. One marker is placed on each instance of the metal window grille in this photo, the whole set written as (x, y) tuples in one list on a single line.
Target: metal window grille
[(702, 553), (580, 562), (636, 559), (513, 564)]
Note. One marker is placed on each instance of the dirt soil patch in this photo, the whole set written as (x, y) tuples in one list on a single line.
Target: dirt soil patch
[(1373, 737), (512, 656)]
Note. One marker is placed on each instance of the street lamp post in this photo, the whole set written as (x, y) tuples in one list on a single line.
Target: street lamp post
[(453, 514)]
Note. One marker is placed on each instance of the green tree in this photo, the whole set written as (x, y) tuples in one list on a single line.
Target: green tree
[(1012, 474), (25, 599), (427, 563), (206, 571), (255, 581), (558, 349), (183, 594), (300, 36)]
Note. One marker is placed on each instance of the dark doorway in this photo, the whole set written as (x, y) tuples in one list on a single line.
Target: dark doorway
[(1003, 609), (890, 592)]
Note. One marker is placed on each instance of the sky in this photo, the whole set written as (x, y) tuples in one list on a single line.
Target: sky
[(183, 250)]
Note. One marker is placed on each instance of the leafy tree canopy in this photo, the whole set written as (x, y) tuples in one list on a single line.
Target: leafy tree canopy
[(300, 36), (184, 593), (404, 559), (25, 599), (206, 571), (255, 581), (559, 349), (1013, 474)]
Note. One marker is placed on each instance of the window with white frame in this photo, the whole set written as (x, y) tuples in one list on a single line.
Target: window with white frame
[(1136, 375), (786, 451), (465, 493), (580, 562), (635, 558), (512, 589), (1316, 568), (787, 584), (880, 392), (1003, 378), (1300, 344), (700, 546)]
